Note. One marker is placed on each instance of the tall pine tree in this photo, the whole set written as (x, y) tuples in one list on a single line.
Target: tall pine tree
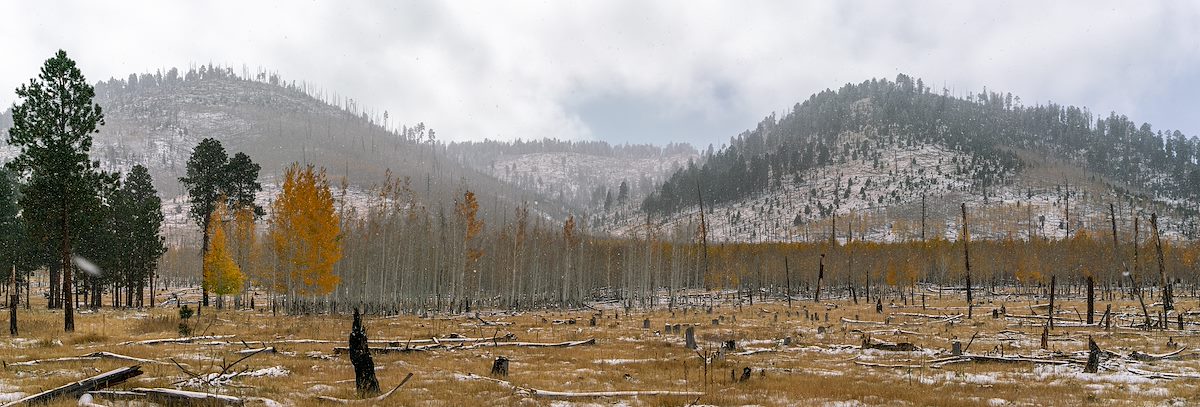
[(52, 129)]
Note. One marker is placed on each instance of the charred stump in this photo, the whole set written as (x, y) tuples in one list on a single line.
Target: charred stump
[(1093, 362), (360, 357), (500, 367)]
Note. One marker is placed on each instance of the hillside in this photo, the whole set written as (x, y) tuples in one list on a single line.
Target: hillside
[(587, 175), (156, 120), (870, 153)]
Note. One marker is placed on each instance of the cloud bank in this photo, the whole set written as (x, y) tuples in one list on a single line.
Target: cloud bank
[(635, 71)]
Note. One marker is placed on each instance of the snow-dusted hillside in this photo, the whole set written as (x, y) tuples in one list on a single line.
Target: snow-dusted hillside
[(882, 201), (158, 119), (584, 179)]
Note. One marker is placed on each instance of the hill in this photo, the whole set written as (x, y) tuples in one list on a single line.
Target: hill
[(872, 153), (156, 119)]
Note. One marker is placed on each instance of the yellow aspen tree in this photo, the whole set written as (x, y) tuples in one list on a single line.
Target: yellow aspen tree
[(467, 210), (305, 231), (221, 274)]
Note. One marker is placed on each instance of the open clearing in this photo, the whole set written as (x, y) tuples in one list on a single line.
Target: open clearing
[(822, 363)]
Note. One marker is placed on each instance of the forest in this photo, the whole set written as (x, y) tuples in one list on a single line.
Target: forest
[(993, 128)]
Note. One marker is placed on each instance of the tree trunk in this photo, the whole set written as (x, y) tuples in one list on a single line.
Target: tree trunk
[(64, 252), (1091, 299), (967, 260), (360, 357)]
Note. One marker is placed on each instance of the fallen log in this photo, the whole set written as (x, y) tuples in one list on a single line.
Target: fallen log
[(890, 366), (176, 340), (56, 360), (1163, 375), (869, 343), (567, 344), (855, 321), (373, 400), (269, 349), (191, 398), (400, 342), (76, 389), (1146, 357), (599, 394), (338, 350)]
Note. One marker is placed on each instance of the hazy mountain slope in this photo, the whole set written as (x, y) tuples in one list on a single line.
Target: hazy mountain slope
[(156, 120), (585, 174)]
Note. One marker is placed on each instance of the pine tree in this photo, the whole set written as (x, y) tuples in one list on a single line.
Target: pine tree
[(52, 130), (205, 183), (143, 217)]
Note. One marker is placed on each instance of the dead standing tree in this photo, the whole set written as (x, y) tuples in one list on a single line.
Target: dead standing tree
[(360, 357), (1167, 300), (967, 259), (820, 276)]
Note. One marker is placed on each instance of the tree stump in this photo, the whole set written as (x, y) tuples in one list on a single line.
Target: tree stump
[(878, 306), (689, 337), (1046, 335), (15, 298), (995, 313), (500, 367), (646, 323), (360, 357), (592, 322), (1093, 363), (745, 374), (716, 322), (956, 348), (730, 345)]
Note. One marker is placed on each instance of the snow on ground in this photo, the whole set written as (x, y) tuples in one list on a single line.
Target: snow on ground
[(886, 196)]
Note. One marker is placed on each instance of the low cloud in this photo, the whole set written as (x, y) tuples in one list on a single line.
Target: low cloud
[(633, 70)]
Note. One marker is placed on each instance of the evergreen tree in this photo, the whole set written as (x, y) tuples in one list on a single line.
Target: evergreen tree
[(241, 183), (141, 219), (52, 130), (205, 183)]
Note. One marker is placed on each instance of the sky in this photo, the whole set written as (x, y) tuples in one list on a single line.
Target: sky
[(634, 71)]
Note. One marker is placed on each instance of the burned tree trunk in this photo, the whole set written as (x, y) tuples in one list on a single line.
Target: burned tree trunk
[(1167, 302), (967, 260), (1050, 313), (360, 357), (1091, 299), (820, 276), (1093, 362), (500, 367)]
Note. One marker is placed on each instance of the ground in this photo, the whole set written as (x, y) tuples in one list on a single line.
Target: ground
[(812, 368)]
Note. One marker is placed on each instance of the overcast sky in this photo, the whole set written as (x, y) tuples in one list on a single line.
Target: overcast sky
[(635, 71)]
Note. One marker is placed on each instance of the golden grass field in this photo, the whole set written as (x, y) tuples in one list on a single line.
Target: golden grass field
[(815, 369)]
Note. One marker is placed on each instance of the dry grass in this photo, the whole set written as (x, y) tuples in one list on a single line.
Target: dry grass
[(816, 369)]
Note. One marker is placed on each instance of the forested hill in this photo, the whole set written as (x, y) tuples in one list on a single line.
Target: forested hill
[(882, 145), (156, 119)]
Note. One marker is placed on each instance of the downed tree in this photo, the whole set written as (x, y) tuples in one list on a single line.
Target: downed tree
[(76, 389), (1147, 357), (579, 395), (88, 358), (174, 397), (598, 394), (374, 400), (406, 349), (869, 343), (189, 339)]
